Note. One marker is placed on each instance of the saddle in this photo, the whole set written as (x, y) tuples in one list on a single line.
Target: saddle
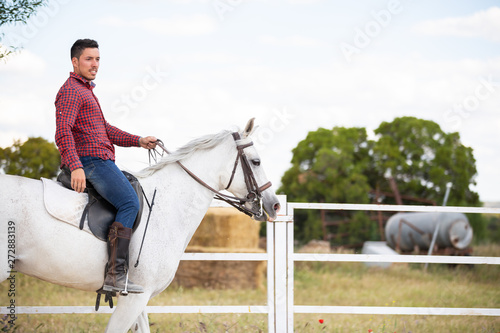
[(99, 212)]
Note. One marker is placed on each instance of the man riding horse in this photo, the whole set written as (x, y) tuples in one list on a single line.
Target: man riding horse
[(86, 143)]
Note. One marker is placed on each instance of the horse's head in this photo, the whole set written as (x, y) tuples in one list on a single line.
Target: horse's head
[(243, 176), (248, 180)]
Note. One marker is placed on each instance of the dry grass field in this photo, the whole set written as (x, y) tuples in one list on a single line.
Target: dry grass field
[(315, 284)]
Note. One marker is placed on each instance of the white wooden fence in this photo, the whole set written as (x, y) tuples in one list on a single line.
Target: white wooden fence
[(281, 257)]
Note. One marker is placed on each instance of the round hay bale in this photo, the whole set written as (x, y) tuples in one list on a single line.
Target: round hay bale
[(215, 274), (226, 227), (223, 230)]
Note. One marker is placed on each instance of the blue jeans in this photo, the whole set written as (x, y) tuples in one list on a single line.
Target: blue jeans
[(113, 186)]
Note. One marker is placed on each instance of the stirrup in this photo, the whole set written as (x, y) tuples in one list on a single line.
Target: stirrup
[(124, 292)]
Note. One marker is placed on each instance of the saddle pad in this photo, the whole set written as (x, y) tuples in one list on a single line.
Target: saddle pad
[(63, 204)]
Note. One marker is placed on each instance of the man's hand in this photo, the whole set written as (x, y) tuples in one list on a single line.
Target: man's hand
[(78, 180), (148, 142)]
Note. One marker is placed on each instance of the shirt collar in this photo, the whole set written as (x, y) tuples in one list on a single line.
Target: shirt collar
[(86, 82)]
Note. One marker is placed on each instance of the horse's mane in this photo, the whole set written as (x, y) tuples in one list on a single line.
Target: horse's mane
[(204, 142)]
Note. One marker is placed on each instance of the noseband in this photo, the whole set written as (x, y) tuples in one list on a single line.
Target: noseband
[(254, 194)]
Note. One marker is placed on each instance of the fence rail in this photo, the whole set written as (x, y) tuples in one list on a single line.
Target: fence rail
[(280, 257), (149, 309), (393, 208), (421, 259), (384, 310)]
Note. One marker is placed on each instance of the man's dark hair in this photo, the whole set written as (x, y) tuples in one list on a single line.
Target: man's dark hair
[(82, 44)]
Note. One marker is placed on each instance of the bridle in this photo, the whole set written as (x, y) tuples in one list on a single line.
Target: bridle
[(254, 194)]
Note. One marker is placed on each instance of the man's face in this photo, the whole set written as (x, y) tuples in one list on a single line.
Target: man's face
[(88, 63)]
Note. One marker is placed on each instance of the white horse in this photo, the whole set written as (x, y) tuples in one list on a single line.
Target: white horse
[(62, 254)]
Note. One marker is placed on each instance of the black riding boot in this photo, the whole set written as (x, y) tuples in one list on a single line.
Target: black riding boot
[(116, 275)]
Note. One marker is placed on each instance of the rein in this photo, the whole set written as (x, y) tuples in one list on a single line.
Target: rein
[(254, 191)]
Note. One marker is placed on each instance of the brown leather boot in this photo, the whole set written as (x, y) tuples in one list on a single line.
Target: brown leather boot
[(116, 275)]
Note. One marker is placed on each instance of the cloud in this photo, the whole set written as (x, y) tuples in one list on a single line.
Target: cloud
[(484, 24), (23, 62), (7, 138), (212, 58), (304, 2), (197, 24), (293, 41)]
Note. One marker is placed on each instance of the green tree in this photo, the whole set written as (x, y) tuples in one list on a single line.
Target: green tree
[(34, 158), (342, 166), (423, 159), (328, 166), (16, 11), (493, 227)]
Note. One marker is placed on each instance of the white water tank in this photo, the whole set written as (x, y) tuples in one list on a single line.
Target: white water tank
[(416, 229)]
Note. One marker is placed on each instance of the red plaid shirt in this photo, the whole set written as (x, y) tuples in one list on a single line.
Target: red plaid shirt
[(81, 129)]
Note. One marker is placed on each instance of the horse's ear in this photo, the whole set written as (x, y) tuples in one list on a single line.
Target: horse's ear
[(248, 128)]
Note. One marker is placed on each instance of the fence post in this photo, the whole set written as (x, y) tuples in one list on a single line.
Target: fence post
[(291, 269), (278, 270), (281, 270), (270, 277)]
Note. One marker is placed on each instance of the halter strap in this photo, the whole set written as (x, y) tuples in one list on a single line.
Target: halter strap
[(250, 181), (254, 191)]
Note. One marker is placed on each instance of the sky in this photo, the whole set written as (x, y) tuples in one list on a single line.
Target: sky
[(180, 69)]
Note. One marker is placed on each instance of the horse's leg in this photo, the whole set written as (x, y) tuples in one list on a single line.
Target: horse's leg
[(142, 323), (127, 312)]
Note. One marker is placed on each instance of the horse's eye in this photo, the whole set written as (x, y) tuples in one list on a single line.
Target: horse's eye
[(256, 162)]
